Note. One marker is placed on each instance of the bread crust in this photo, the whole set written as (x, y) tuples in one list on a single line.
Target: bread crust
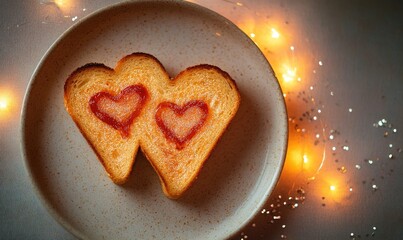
[(175, 171)]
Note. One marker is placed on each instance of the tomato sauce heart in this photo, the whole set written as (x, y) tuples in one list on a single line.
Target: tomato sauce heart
[(179, 124), (119, 111)]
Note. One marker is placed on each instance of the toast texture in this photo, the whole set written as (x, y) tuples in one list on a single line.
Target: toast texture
[(175, 122)]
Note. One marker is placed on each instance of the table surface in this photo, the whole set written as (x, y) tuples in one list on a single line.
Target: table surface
[(339, 64)]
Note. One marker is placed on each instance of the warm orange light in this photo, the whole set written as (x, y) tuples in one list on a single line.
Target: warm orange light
[(332, 188), (60, 3), (305, 157), (64, 5), (7, 102), (275, 34), (3, 103), (289, 74)]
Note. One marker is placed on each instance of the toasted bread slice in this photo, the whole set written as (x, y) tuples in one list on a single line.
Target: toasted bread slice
[(176, 122)]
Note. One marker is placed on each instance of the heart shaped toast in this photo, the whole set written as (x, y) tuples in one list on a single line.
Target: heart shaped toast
[(176, 122)]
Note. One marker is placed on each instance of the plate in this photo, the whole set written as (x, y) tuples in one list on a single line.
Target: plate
[(235, 181)]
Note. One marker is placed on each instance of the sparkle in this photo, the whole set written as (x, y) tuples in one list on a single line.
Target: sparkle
[(390, 145), (283, 226), (331, 94), (334, 148), (386, 134), (370, 161), (358, 166), (5, 101), (351, 189), (319, 111), (390, 156), (74, 18), (305, 157), (274, 33), (343, 169), (331, 137), (374, 228), (317, 135), (332, 188), (292, 48), (84, 9), (350, 110), (311, 87), (276, 217), (320, 63), (3, 104), (252, 35), (374, 187), (346, 148), (395, 130), (289, 74)]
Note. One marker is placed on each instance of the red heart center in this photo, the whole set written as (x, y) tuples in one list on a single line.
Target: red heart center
[(120, 110), (180, 124)]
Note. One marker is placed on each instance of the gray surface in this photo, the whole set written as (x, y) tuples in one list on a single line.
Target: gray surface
[(361, 46)]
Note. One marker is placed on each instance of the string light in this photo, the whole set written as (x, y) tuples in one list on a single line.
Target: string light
[(63, 5), (4, 103), (274, 33), (289, 74), (305, 157)]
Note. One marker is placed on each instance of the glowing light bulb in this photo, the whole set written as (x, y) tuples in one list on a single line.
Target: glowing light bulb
[(305, 157), (4, 103), (289, 74), (274, 33), (7, 103), (60, 3)]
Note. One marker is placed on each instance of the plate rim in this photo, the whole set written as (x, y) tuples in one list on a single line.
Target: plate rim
[(22, 128)]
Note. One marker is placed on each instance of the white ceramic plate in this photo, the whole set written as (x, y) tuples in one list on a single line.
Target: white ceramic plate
[(234, 183)]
